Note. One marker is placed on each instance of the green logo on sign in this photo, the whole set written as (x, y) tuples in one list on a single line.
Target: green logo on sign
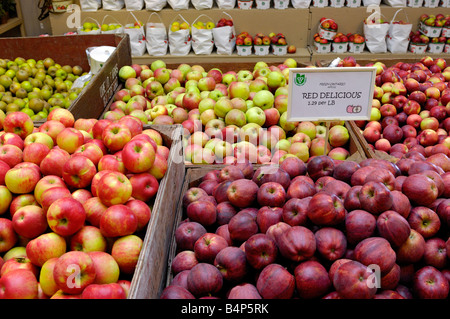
[(300, 79)]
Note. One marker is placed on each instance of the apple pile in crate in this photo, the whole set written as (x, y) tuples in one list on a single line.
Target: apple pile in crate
[(324, 229), (75, 198), (410, 109), (225, 115)]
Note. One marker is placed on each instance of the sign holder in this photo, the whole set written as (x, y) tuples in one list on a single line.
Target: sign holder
[(330, 94)]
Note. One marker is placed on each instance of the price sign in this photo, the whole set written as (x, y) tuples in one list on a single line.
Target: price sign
[(328, 94)]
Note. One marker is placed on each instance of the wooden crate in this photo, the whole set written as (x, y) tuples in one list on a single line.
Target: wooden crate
[(370, 153), (71, 50), (150, 270)]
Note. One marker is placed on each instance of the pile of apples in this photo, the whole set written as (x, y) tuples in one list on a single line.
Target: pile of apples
[(324, 229), (90, 26), (225, 115), (438, 20), (76, 199), (177, 26), (410, 109), (204, 25), (36, 87)]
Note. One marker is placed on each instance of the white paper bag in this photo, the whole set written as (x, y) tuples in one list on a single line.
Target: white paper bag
[(180, 41), (80, 29), (90, 5), (226, 4), (134, 5), (202, 39), (202, 4), (375, 33), (113, 5), (178, 4), (117, 30), (395, 3), (225, 38), (367, 3), (155, 5), (301, 4), (397, 40), (156, 37), (137, 37)]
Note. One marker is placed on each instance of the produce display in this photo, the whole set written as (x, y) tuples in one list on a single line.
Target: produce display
[(37, 87), (324, 229), (410, 109), (76, 198), (226, 115)]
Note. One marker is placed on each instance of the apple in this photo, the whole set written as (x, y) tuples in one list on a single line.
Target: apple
[(72, 263), (29, 221), (326, 209), (115, 136), (351, 281), (242, 226), (271, 194), (44, 247), (420, 189), (412, 250), (19, 123), (242, 192), (311, 279), (435, 253), (70, 139), (22, 180), (78, 172), (204, 279), (46, 280), (114, 188), (260, 251), (88, 238), (19, 284), (275, 282), (203, 212), (118, 220), (207, 246), (53, 162), (297, 243), (331, 243), (104, 291), (424, 220), (66, 216), (430, 283), (125, 251)]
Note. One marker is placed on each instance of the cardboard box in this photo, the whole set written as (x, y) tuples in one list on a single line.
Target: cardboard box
[(149, 276), (71, 50)]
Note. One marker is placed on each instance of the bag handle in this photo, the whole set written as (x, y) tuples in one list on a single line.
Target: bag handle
[(90, 18), (178, 15), (201, 16), (110, 16), (142, 27), (395, 15), (154, 13)]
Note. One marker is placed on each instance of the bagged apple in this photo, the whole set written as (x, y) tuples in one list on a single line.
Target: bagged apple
[(155, 5), (202, 4), (375, 32), (397, 39), (113, 5), (225, 36), (90, 5), (178, 4), (156, 36), (136, 33), (202, 36), (180, 41), (89, 27), (226, 4), (111, 28), (300, 4), (132, 5)]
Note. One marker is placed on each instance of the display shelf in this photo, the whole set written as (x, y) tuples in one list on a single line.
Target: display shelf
[(302, 55), (14, 22)]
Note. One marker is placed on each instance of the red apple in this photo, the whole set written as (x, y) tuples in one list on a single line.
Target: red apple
[(275, 282), (311, 280), (260, 251)]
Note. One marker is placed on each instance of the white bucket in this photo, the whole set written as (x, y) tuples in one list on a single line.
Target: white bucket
[(98, 56)]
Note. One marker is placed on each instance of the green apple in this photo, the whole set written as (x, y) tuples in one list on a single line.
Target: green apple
[(283, 145), (256, 115), (236, 117), (223, 106), (285, 124), (264, 99), (308, 128), (206, 104)]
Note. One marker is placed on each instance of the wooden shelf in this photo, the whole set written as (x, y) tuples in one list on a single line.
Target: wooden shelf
[(14, 22)]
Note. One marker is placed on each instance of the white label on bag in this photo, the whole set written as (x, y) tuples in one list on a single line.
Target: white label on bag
[(328, 94)]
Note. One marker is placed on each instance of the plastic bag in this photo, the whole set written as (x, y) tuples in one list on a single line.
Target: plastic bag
[(134, 5), (180, 41), (225, 38), (178, 4), (202, 4), (202, 39), (397, 40), (155, 5), (90, 5), (156, 37)]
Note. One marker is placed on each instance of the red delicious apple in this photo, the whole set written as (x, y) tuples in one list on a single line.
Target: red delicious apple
[(260, 251), (295, 211), (393, 227), (244, 291), (204, 279), (187, 234), (425, 221), (242, 226), (268, 216), (326, 209), (176, 292), (321, 165), (184, 260), (375, 197), (412, 250), (297, 243), (311, 279), (376, 250), (242, 192), (208, 246), (430, 283), (275, 282), (351, 281), (232, 264), (331, 243), (435, 253)]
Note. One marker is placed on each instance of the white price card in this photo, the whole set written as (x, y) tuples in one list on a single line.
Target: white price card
[(328, 94)]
